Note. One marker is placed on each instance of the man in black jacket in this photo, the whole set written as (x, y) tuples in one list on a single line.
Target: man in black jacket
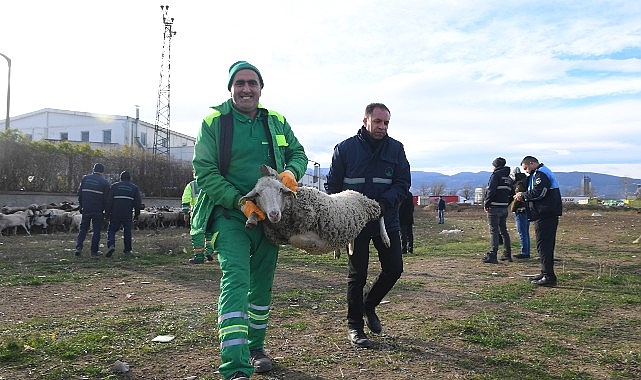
[(500, 190), (543, 204)]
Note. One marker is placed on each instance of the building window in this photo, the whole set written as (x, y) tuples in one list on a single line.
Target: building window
[(143, 138), (64, 136), (84, 136), (106, 136)]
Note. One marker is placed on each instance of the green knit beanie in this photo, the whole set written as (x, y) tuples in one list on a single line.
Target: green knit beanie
[(242, 65)]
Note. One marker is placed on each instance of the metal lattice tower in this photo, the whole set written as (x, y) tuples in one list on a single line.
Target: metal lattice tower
[(161, 135)]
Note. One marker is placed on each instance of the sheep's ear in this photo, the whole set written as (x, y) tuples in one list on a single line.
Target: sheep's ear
[(267, 171), (251, 195)]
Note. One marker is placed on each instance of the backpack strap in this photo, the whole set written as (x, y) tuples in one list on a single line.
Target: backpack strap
[(226, 135)]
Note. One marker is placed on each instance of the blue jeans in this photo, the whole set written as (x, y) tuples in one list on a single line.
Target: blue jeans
[(523, 228), (497, 218), (441, 216)]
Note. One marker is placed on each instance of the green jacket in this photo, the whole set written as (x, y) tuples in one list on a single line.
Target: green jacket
[(243, 172)]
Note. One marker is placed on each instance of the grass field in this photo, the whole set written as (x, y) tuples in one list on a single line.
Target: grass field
[(449, 316)]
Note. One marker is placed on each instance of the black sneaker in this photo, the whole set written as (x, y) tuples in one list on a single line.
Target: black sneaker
[(78, 252), (490, 258), (197, 260), (506, 256), (373, 322), (261, 362), (110, 251), (96, 254), (546, 280), (357, 338), (537, 277), (521, 256)]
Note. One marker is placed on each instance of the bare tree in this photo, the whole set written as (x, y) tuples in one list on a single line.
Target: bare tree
[(423, 189), (467, 191), (437, 188)]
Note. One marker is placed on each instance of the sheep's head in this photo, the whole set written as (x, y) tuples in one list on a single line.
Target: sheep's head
[(270, 195)]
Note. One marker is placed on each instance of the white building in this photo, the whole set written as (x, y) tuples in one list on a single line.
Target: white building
[(99, 131)]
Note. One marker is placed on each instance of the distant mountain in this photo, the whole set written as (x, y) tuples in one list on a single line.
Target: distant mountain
[(603, 185)]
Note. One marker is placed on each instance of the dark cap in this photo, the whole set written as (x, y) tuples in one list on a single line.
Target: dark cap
[(499, 162), (98, 168), (242, 65), (125, 176)]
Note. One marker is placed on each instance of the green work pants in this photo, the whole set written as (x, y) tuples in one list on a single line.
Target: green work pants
[(200, 242), (247, 261)]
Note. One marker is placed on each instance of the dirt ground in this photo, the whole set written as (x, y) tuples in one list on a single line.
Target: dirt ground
[(307, 334)]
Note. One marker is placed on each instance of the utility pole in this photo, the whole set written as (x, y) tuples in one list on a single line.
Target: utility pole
[(161, 132), (6, 121), (162, 135)]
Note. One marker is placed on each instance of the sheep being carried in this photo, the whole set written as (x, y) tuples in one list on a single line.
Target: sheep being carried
[(310, 219)]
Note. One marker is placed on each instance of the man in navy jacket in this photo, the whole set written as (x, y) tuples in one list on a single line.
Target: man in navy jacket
[(543, 205), (92, 198), (375, 165), (124, 198)]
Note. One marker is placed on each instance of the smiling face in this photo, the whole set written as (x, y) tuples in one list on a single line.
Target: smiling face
[(245, 92), (377, 123)]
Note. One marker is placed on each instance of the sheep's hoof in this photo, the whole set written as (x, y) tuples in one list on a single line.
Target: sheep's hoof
[(249, 225)]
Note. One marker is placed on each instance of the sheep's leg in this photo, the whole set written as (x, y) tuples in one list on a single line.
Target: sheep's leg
[(383, 231), (252, 221), (637, 241), (337, 253), (350, 248)]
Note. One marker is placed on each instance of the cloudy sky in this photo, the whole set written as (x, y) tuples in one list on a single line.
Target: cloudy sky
[(466, 81)]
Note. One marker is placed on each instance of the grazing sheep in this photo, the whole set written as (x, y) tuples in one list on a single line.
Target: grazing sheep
[(146, 219), (60, 220), (310, 219), (15, 220), (38, 219), (76, 219)]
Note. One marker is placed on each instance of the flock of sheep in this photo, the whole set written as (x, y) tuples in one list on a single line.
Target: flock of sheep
[(310, 219), (66, 217)]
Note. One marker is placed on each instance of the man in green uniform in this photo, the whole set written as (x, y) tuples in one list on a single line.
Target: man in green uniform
[(200, 239), (247, 258)]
